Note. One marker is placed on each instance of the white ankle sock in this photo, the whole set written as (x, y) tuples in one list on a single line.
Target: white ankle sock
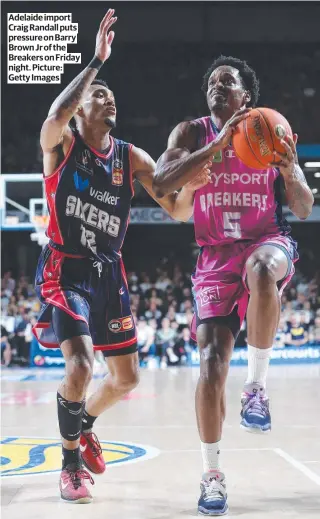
[(258, 363), (210, 456)]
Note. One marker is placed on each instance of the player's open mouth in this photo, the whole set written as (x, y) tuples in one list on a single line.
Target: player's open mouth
[(218, 94), (110, 111)]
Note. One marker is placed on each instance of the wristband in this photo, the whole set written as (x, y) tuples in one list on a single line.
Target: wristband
[(95, 63)]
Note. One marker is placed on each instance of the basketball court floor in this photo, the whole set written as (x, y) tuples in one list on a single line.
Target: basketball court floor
[(151, 445)]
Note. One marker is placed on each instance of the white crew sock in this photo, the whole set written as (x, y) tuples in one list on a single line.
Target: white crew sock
[(258, 363), (210, 456)]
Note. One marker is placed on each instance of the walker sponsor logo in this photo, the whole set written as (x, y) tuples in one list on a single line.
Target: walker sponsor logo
[(209, 295), (104, 197), (289, 355)]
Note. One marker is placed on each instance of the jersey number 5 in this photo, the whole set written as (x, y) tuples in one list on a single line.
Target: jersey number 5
[(231, 225)]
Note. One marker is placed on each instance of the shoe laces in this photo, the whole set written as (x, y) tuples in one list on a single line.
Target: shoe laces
[(213, 488), (77, 477), (94, 444), (256, 403)]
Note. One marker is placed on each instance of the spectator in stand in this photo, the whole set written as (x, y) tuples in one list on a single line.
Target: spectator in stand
[(163, 282), (6, 353), (314, 334), (153, 312), (171, 314), (165, 340), (8, 283), (296, 335), (185, 346), (20, 337), (154, 293), (292, 294), (299, 302), (146, 339), (145, 283), (305, 319), (307, 308), (303, 287), (281, 335), (154, 325)]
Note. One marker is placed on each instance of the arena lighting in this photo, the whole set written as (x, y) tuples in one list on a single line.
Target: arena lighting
[(312, 165), (314, 190), (317, 174)]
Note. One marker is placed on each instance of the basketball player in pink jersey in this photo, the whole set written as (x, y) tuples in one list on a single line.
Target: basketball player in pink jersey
[(246, 249)]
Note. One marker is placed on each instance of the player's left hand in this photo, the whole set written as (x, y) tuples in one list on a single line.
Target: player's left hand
[(286, 161), (202, 179), (105, 36)]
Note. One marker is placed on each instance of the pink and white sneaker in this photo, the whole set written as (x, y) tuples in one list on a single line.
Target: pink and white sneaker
[(72, 485)]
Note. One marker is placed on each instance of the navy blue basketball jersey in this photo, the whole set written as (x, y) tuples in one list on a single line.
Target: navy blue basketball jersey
[(89, 198)]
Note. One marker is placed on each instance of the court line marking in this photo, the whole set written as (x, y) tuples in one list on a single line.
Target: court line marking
[(240, 449), (298, 465)]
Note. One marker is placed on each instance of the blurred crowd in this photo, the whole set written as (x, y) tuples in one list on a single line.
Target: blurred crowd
[(162, 306)]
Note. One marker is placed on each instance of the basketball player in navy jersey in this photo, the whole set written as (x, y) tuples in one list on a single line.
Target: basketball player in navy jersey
[(80, 280)]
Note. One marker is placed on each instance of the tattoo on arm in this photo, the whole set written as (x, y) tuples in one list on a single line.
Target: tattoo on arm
[(299, 196), (69, 100)]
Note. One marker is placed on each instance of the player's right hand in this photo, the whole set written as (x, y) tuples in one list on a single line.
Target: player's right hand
[(224, 137), (104, 37)]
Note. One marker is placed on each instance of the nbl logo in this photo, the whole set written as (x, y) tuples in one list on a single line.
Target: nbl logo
[(122, 324), (209, 295)]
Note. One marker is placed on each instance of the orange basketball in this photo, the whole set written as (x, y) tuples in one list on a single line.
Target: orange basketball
[(258, 136)]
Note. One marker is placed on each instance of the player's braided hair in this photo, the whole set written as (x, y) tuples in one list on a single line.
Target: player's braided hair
[(247, 74)]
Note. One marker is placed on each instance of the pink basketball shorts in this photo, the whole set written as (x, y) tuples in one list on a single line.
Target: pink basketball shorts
[(219, 280)]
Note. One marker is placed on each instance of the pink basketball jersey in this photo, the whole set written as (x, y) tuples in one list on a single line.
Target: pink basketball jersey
[(241, 203)]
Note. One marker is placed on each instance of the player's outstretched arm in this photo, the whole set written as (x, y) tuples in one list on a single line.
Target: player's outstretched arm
[(180, 163), (178, 205), (65, 106), (299, 196)]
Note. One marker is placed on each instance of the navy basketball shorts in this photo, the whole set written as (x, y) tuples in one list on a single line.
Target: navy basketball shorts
[(89, 291)]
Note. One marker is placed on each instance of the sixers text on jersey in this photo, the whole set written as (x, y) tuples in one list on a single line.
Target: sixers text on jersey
[(89, 198)]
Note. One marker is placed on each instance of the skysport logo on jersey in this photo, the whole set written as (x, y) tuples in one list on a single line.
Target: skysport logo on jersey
[(79, 183), (22, 456)]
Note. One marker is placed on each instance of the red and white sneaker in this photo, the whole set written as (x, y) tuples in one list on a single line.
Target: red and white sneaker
[(72, 485), (91, 453)]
